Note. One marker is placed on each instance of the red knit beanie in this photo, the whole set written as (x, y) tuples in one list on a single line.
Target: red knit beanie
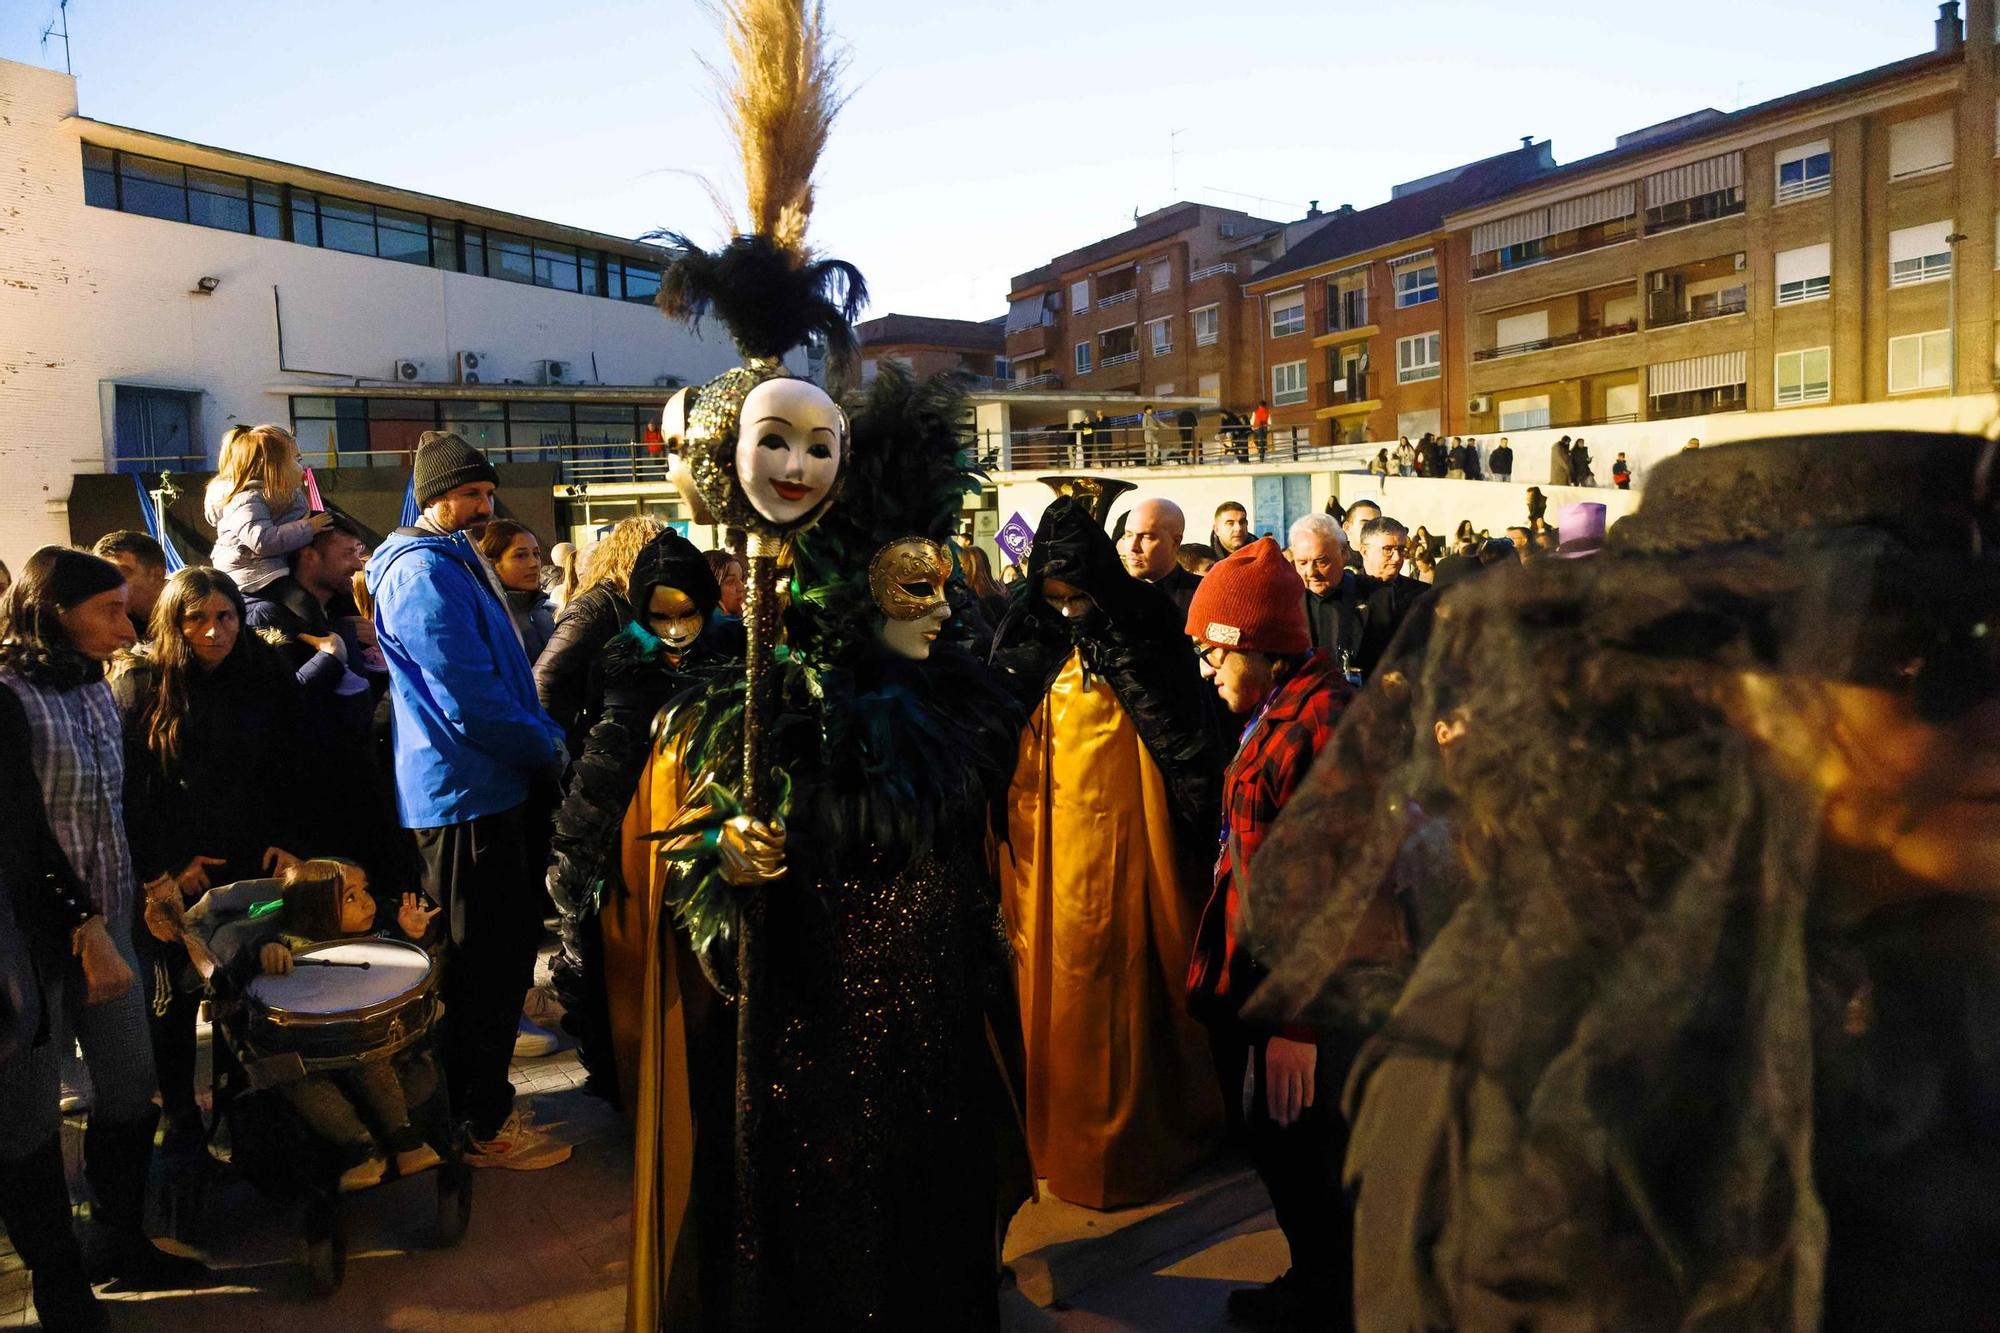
[(1254, 601)]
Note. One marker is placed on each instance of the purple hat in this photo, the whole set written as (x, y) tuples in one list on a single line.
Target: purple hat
[(1580, 525)]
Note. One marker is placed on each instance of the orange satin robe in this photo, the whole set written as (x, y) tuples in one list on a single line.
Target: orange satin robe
[(1121, 1091)]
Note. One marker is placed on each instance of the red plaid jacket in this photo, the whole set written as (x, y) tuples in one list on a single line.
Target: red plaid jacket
[(1277, 749)]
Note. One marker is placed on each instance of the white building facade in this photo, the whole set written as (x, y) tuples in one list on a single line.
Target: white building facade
[(155, 292)]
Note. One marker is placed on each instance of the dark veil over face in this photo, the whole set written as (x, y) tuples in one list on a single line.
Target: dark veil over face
[(1607, 854)]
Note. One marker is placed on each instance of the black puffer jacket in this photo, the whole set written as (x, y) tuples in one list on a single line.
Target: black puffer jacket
[(569, 677)]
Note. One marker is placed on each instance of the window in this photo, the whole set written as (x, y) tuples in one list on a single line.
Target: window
[(555, 266), (1920, 361), (1429, 421), (1803, 274), (153, 431), (1524, 413), (1160, 335), (1917, 146), (1801, 377), (401, 236), (1919, 254), (152, 189), (1417, 358), (1161, 274), (444, 244), (1207, 324), (305, 217), (1079, 295), (1083, 358), (100, 177), (267, 210), (1209, 387), (1288, 384), (1521, 332), (346, 225), (1288, 313), (1416, 283), (642, 282), (217, 200), (511, 258), (1804, 170)]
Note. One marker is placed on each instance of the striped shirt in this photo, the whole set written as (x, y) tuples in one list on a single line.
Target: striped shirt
[(77, 747)]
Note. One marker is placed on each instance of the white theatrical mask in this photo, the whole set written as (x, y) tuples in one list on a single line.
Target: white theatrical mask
[(913, 638), (788, 448)]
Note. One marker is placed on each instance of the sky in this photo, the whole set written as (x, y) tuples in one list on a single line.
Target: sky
[(981, 137)]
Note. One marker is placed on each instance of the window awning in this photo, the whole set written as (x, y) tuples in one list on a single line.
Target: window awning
[(1617, 201), (1401, 262), (1698, 372), (1805, 263), (1024, 314), (1711, 175)]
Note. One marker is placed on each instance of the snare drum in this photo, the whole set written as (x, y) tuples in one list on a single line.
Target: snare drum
[(330, 1010)]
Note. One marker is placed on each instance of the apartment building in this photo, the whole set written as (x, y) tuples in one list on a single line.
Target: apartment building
[(1351, 324), (926, 346), (1152, 311), (1831, 246)]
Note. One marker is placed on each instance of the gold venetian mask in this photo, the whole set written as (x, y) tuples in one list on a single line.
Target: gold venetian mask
[(908, 577), (673, 617)]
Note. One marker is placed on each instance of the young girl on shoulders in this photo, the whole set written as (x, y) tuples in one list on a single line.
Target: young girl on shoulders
[(257, 503)]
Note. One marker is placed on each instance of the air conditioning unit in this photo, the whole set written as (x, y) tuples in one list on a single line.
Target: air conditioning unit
[(411, 371), (472, 368), (1478, 403), (668, 381), (558, 372)]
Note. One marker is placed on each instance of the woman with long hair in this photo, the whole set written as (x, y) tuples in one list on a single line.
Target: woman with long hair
[(568, 677), (66, 884), (979, 578), (516, 556), (211, 718)]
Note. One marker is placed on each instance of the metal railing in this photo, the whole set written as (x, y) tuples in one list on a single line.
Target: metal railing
[(1352, 389), (1488, 262), (1046, 380), (1587, 334), (1690, 315), (598, 461), (1210, 271), (1113, 362), (1124, 446), (1118, 298), (1344, 315)]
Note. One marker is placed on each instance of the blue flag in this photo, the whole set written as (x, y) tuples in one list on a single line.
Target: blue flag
[(156, 524), (410, 511)]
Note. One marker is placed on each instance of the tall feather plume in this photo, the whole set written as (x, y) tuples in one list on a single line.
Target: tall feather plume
[(766, 284)]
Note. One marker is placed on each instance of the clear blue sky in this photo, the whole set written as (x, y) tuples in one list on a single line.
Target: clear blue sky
[(983, 136)]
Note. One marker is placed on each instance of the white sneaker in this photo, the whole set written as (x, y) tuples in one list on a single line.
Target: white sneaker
[(362, 1175), (519, 1145), (531, 1041), (420, 1158)]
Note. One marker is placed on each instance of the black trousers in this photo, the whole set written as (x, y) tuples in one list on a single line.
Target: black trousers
[(479, 873), (1300, 1165)]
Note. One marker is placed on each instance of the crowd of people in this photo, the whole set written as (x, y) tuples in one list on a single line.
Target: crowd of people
[(1562, 921)]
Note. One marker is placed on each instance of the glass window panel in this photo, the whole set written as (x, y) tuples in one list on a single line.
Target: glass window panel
[(394, 443), (312, 407), (614, 277), (555, 266), (401, 409), (403, 237), (100, 183), (347, 225), (154, 189), (537, 430), (588, 262), (317, 436), (444, 244), (482, 425), (305, 217), (509, 257), (475, 250), (218, 200), (267, 210), (606, 423), (642, 282)]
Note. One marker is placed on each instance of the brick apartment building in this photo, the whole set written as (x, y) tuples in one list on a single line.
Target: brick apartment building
[(927, 346), (1155, 311), (1350, 323), (1813, 249)]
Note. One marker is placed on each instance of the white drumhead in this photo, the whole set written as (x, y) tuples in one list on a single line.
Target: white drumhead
[(394, 969)]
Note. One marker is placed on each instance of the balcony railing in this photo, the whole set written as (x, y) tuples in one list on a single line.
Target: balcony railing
[(1210, 272), (1163, 349), (1587, 334), (1118, 298), (1337, 321), (1113, 362), (1486, 263), (1206, 339), (1669, 318), (1347, 391), (1124, 445), (1046, 380), (595, 462)]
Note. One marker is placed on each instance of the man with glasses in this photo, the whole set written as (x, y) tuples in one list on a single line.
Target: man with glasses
[(1256, 650), (1386, 595)]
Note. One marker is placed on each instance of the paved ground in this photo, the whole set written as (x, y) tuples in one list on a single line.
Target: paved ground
[(546, 1250)]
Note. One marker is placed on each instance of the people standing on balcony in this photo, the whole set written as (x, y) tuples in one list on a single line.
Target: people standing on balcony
[(143, 562), (1437, 460), (1406, 457), (516, 556), (1378, 466), (1260, 427), (1149, 426), (257, 504), (1230, 531), (1501, 464), (1111, 818), (1621, 473), (1150, 549), (1189, 423), (1559, 463), (1472, 468), (1579, 465), (1454, 466)]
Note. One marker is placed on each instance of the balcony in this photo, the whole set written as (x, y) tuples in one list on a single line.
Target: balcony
[(1693, 314), (1564, 340), (1121, 359), (1562, 245), (1211, 271), (1350, 391), (1048, 379), (1118, 298), (1706, 289)]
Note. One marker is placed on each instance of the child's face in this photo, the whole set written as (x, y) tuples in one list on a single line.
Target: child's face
[(357, 905)]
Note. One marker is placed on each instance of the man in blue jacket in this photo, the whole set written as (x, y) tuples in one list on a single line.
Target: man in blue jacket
[(470, 737)]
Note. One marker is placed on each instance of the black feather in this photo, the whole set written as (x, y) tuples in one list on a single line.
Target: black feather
[(771, 303)]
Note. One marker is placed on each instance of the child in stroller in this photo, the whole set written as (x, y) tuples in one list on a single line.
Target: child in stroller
[(361, 1112)]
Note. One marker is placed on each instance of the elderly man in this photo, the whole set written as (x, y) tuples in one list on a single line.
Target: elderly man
[(1387, 595), (1332, 591), (1230, 532), (143, 562), (1151, 546)]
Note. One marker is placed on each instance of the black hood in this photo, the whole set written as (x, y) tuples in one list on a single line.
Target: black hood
[(672, 561)]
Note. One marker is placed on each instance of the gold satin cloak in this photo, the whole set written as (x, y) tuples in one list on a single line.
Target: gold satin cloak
[(1121, 1091)]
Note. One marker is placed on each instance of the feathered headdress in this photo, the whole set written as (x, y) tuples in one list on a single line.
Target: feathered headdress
[(766, 284)]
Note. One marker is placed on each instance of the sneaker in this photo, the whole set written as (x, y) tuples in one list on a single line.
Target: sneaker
[(532, 1041), (519, 1145), (420, 1158), (363, 1175)]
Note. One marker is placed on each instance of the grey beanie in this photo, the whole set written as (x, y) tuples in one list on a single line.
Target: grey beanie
[(445, 462)]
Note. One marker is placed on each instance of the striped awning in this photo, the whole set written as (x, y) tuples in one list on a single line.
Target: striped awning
[(1024, 314), (1697, 372), (1711, 175), (1401, 262), (1617, 201)]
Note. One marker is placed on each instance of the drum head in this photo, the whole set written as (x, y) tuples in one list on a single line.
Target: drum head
[(394, 969)]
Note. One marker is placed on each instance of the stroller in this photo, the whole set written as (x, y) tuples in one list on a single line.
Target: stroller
[(344, 1002)]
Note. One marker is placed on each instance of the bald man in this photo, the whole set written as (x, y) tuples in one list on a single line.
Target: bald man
[(1151, 547)]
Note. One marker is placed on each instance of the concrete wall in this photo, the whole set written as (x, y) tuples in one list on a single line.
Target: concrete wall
[(93, 298)]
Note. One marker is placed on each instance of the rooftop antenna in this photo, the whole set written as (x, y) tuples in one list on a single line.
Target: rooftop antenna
[(1174, 159), (59, 27)]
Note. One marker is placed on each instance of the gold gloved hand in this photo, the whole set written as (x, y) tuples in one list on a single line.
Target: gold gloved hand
[(751, 851)]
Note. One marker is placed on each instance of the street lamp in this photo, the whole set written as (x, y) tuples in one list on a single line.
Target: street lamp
[(1951, 306)]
